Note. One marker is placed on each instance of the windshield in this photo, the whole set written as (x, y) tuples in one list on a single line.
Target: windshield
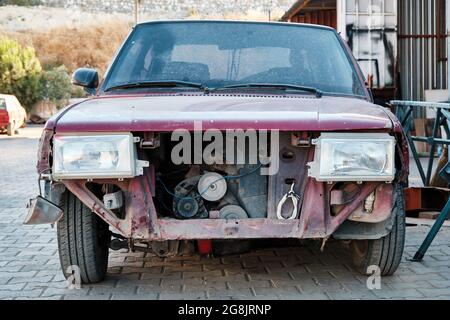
[(218, 54)]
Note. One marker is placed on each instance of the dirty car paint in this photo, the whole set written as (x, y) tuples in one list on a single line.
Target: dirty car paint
[(166, 113)]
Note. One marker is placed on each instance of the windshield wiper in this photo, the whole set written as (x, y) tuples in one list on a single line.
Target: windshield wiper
[(158, 84), (280, 86)]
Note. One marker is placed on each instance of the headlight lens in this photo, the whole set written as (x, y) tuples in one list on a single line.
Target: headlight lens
[(354, 157), (94, 156)]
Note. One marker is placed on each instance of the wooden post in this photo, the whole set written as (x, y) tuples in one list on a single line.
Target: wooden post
[(137, 4)]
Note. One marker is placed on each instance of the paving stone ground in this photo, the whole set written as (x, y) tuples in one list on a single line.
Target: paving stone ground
[(29, 264)]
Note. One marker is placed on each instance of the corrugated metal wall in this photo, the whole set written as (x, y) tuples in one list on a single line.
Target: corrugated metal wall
[(322, 17), (422, 47)]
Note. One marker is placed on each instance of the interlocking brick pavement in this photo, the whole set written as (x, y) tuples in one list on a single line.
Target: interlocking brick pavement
[(29, 263)]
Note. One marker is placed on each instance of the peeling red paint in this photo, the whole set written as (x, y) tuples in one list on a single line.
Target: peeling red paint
[(44, 151)]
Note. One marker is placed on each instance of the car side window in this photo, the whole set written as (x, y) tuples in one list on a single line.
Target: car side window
[(2, 104)]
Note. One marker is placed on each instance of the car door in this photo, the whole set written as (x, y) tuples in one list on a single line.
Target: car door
[(21, 113), (13, 111), (4, 118)]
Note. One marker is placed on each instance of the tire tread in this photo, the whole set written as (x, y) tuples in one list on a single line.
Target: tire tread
[(387, 252), (78, 240)]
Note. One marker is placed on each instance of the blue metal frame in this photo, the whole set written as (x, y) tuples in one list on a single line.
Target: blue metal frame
[(432, 234), (405, 112)]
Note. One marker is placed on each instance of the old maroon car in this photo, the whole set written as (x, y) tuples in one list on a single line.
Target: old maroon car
[(204, 134)]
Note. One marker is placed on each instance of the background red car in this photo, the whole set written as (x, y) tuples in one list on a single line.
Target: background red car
[(12, 115)]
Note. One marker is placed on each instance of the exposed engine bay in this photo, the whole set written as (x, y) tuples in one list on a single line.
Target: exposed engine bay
[(228, 191), (216, 191)]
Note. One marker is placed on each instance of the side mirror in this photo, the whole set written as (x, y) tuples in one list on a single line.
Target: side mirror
[(87, 78)]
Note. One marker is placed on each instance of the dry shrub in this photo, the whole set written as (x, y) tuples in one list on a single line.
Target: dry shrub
[(73, 47), (94, 45)]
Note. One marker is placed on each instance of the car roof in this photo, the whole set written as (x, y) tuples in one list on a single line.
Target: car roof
[(277, 23), (5, 96)]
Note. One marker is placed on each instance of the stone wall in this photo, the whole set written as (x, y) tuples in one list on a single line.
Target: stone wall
[(174, 8)]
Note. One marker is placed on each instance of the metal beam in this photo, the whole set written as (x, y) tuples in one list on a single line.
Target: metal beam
[(296, 8), (341, 14)]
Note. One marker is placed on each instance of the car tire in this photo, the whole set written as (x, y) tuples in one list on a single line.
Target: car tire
[(10, 129), (83, 241), (385, 253)]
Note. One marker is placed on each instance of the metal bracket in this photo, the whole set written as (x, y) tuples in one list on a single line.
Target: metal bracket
[(150, 141), (140, 165)]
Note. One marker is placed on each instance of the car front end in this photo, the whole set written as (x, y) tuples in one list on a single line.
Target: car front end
[(170, 162)]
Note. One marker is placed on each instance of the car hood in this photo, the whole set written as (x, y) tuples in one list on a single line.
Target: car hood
[(182, 111)]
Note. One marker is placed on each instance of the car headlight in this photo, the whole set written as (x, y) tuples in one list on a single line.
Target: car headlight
[(95, 156), (354, 157)]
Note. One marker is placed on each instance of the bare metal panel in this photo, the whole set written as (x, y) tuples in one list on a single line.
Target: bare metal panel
[(371, 32), (422, 47)]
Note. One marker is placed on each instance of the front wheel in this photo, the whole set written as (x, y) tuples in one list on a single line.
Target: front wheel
[(24, 124), (385, 253), (10, 131), (83, 241)]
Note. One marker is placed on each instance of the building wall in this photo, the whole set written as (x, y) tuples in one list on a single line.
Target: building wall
[(322, 17), (173, 8)]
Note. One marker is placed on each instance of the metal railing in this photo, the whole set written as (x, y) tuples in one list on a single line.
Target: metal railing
[(405, 113)]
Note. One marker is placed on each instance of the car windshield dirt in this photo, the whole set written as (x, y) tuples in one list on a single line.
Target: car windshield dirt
[(223, 54)]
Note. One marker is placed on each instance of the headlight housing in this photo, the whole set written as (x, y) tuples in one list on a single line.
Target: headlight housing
[(354, 157), (95, 156)]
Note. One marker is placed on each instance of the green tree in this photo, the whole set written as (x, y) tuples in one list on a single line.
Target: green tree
[(56, 85), (20, 71)]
